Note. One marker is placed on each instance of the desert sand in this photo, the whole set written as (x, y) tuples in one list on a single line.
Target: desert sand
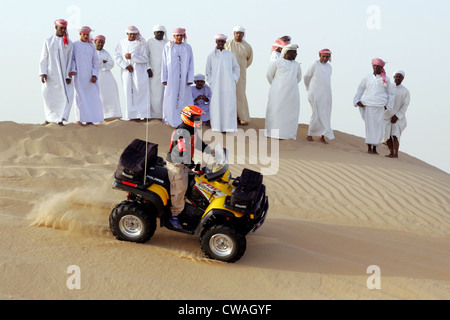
[(335, 210)]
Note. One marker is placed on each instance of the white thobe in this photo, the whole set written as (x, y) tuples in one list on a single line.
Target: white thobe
[(222, 73), (401, 104), (56, 62), (374, 95), (135, 84), (283, 107), (155, 49), (85, 64), (109, 92), (177, 70), (244, 55), (318, 83), (204, 105)]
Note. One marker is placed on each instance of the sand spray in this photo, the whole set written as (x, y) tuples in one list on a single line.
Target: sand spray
[(84, 209)]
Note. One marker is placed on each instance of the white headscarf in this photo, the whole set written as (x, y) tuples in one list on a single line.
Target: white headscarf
[(399, 71), (240, 29), (199, 77), (287, 48), (160, 28)]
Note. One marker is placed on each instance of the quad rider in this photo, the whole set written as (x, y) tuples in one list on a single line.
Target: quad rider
[(183, 143)]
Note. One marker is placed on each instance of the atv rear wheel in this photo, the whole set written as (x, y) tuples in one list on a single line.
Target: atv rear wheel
[(132, 221), (223, 243)]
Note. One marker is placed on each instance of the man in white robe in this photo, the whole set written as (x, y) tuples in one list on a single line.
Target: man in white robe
[(109, 91), (155, 49), (222, 73), (86, 67), (54, 70), (283, 107), (201, 93), (177, 74), (244, 55), (374, 94), (395, 120), (132, 56), (318, 84)]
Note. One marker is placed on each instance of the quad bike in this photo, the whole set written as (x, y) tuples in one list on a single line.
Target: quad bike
[(220, 209)]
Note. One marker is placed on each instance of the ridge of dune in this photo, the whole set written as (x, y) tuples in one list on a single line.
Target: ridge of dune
[(334, 211)]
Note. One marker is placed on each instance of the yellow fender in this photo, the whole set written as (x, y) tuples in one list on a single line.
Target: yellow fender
[(161, 192), (219, 203)]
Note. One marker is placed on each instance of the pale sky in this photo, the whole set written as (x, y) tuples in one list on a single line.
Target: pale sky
[(410, 35)]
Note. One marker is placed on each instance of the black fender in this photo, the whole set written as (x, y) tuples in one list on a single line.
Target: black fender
[(215, 216), (150, 195)]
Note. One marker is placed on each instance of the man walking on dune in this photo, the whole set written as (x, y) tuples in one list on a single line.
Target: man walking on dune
[(318, 83), (395, 120), (375, 94), (55, 65)]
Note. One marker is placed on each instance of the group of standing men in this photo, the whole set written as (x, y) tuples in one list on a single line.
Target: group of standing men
[(283, 107), (88, 66), (382, 105), (157, 76)]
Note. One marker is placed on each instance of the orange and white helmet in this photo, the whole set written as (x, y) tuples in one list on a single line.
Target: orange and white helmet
[(190, 115)]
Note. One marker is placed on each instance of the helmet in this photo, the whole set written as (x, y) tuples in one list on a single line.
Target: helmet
[(189, 113)]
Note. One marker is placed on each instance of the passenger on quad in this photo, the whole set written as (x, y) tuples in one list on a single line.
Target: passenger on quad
[(183, 142)]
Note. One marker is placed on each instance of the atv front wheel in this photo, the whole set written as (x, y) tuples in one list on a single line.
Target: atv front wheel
[(223, 243), (132, 221)]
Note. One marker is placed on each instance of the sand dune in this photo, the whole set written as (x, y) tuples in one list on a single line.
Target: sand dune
[(334, 211)]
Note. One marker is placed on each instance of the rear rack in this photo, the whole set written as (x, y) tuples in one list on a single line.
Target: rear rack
[(255, 207)]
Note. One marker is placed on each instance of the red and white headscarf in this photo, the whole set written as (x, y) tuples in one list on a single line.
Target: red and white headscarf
[(176, 32), (279, 44), (133, 29), (86, 30), (179, 31), (325, 51), (63, 23), (100, 37), (381, 63), (220, 36)]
